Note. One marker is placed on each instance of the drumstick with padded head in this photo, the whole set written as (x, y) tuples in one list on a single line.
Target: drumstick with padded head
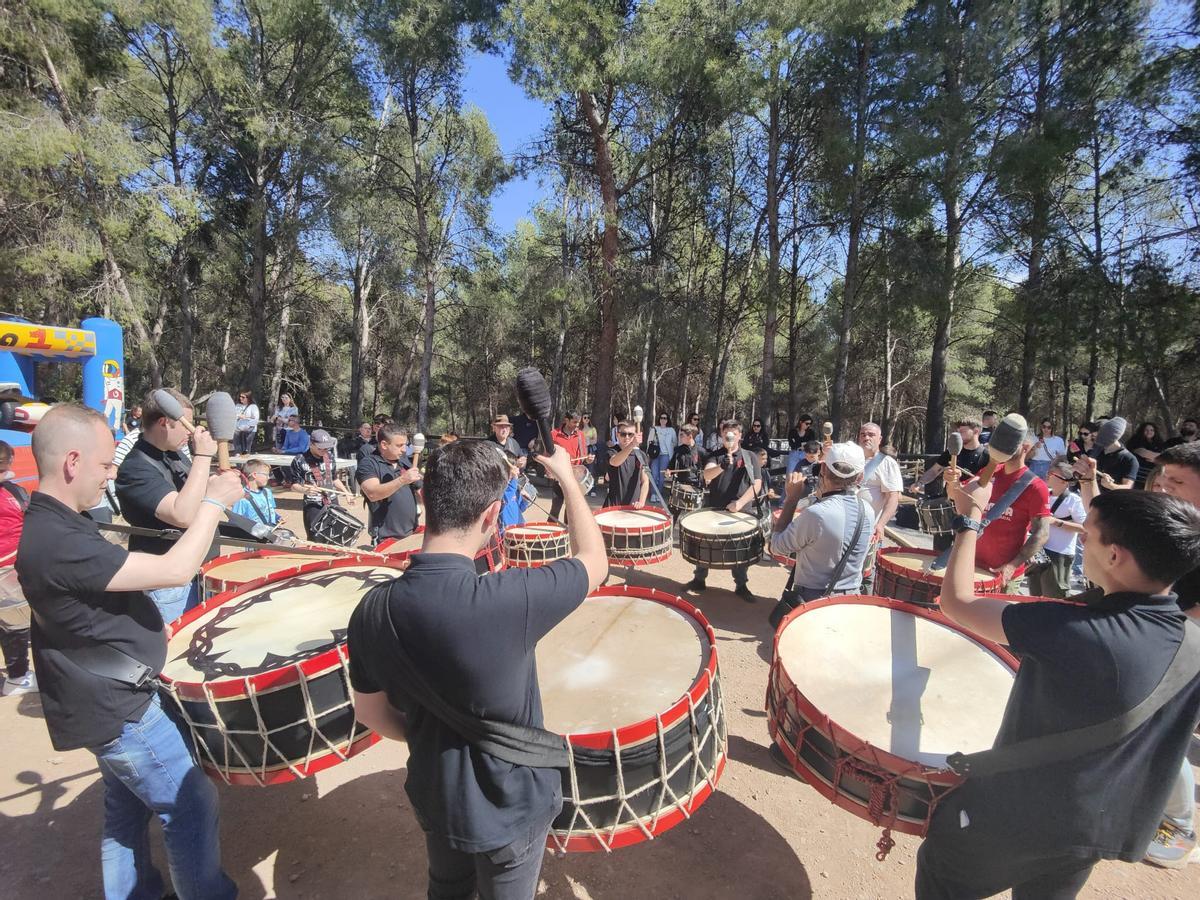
[(172, 409), (954, 446), (1004, 445), (533, 396), (222, 422)]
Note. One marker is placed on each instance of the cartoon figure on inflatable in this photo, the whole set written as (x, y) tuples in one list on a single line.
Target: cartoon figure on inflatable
[(98, 344)]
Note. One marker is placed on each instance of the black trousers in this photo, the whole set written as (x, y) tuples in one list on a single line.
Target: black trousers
[(510, 873), (964, 864), (556, 504), (15, 645)]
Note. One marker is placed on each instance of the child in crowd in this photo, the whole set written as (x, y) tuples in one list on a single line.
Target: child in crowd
[(259, 502), (513, 504), (14, 627)]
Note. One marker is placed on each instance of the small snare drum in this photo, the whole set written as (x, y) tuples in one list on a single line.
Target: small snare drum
[(336, 526), (684, 498), (635, 537), (904, 574), (719, 539), (584, 476), (535, 544), (936, 515)]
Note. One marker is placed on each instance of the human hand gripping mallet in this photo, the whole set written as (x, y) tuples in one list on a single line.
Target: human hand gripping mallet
[(221, 414), (202, 442), (1004, 445), (954, 446)]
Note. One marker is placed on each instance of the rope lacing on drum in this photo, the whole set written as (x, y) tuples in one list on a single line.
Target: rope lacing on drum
[(604, 836), (882, 791)]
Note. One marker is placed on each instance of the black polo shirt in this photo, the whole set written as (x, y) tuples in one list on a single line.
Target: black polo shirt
[(473, 638), (1082, 665), (969, 460), (64, 565), (397, 516), (148, 474), (625, 480), (734, 479), (688, 457), (1120, 464)]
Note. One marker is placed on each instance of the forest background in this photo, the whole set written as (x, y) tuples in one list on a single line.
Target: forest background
[(862, 209)]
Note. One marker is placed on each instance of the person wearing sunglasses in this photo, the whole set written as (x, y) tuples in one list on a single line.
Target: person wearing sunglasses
[(1047, 446), (628, 481), (801, 433)]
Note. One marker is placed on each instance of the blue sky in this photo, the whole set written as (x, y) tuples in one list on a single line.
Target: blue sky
[(517, 121)]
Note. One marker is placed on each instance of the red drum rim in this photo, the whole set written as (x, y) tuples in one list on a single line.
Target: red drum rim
[(882, 561), (665, 523), (550, 530), (223, 584), (324, 661), (647, 728), (387, 543), (846, 739)]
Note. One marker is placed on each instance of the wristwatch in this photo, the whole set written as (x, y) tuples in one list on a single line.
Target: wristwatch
[(959, 524)]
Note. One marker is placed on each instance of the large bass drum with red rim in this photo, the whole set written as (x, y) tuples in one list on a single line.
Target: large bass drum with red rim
[(631, 679), (260, 677), (868, 696), (489, 559)]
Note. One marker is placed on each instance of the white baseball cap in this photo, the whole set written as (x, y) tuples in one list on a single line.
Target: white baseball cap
[(845, 460)]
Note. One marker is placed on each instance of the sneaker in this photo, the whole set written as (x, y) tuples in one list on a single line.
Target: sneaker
[(1172, 847), (695, 586), (743, 591), (26, 685)]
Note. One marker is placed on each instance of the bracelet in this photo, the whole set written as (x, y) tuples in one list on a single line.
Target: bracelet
[(1093, 478), (217, 503), (202, 456)]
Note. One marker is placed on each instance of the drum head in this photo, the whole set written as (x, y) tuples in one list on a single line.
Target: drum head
[(919, 561), (241, 571), (908, 684), (616, 661), (272, 626), (537, 531), (718, 521), (632, 518), (404, 544)]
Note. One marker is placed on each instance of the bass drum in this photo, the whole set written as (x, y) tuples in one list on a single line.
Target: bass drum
[(718, 539), (234, 570), (489, 559), (260, 675), (631, 679)]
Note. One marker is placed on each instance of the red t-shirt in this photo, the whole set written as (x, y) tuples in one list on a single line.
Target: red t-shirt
[(1001, 540), (12, 519), (574, 443)]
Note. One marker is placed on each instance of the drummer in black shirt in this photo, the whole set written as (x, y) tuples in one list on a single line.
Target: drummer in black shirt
[(390, 483), (734, 480), (1040, 829), (473, 639), (99, 643), (313, 473), (687, 459), (628, 470)]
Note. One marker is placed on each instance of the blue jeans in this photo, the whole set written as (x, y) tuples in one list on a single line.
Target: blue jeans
[(1181, 802), (795, 458), (173, 602), (658, 467), (148, 769), (1040, 468)]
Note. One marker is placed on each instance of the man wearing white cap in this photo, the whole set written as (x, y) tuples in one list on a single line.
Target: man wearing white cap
[(830, 536)]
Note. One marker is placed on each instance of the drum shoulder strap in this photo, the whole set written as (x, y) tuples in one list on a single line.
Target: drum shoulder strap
[(18, 493), (101, 660), (1064, 745), (858, 527), (520, 745)]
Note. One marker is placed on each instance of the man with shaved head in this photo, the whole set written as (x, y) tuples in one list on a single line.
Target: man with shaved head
[(99, 643)]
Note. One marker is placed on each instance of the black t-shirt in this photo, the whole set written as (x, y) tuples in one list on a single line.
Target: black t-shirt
[(1081, 666), (367, 448), (510, 445), (349, 446), (1120, 464), (1187, 589), (690, 458), (797, 438), (396, 516), (142, 482), (969, 460), (734, 480), (624, 481), (755, 440), (64, 565), (473, 638)]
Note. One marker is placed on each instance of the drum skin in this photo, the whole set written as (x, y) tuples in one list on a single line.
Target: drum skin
[(214, 581), (635, 537), (255, 729), (723, 550), (886, 789), (691, 730), (915, 585)]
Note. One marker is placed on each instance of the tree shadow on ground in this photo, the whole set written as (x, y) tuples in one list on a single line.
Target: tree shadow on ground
[(724, 610)]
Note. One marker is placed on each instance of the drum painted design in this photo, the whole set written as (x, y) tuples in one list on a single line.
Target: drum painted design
[(233, 570), (684, 497), (631, 679), (936, 515), (867, 697), (489, 559), (718, 539), (903, 574), (260, 674), (535, 544), (635, 537), (336, 526)]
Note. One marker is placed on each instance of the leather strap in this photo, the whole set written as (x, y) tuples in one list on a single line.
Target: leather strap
[(999, 508), (1064, 745), (101, 660)]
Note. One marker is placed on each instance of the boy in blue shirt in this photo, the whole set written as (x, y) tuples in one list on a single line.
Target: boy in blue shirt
[(259, 502)]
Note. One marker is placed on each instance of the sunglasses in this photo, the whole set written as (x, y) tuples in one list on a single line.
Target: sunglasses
[(1085, 434), (626, 434)]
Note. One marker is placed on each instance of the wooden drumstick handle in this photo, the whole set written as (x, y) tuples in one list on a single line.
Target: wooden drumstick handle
[(222, 456), (988, 470)]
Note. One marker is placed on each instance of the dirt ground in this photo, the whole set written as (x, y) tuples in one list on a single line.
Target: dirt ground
[(349, 832)]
